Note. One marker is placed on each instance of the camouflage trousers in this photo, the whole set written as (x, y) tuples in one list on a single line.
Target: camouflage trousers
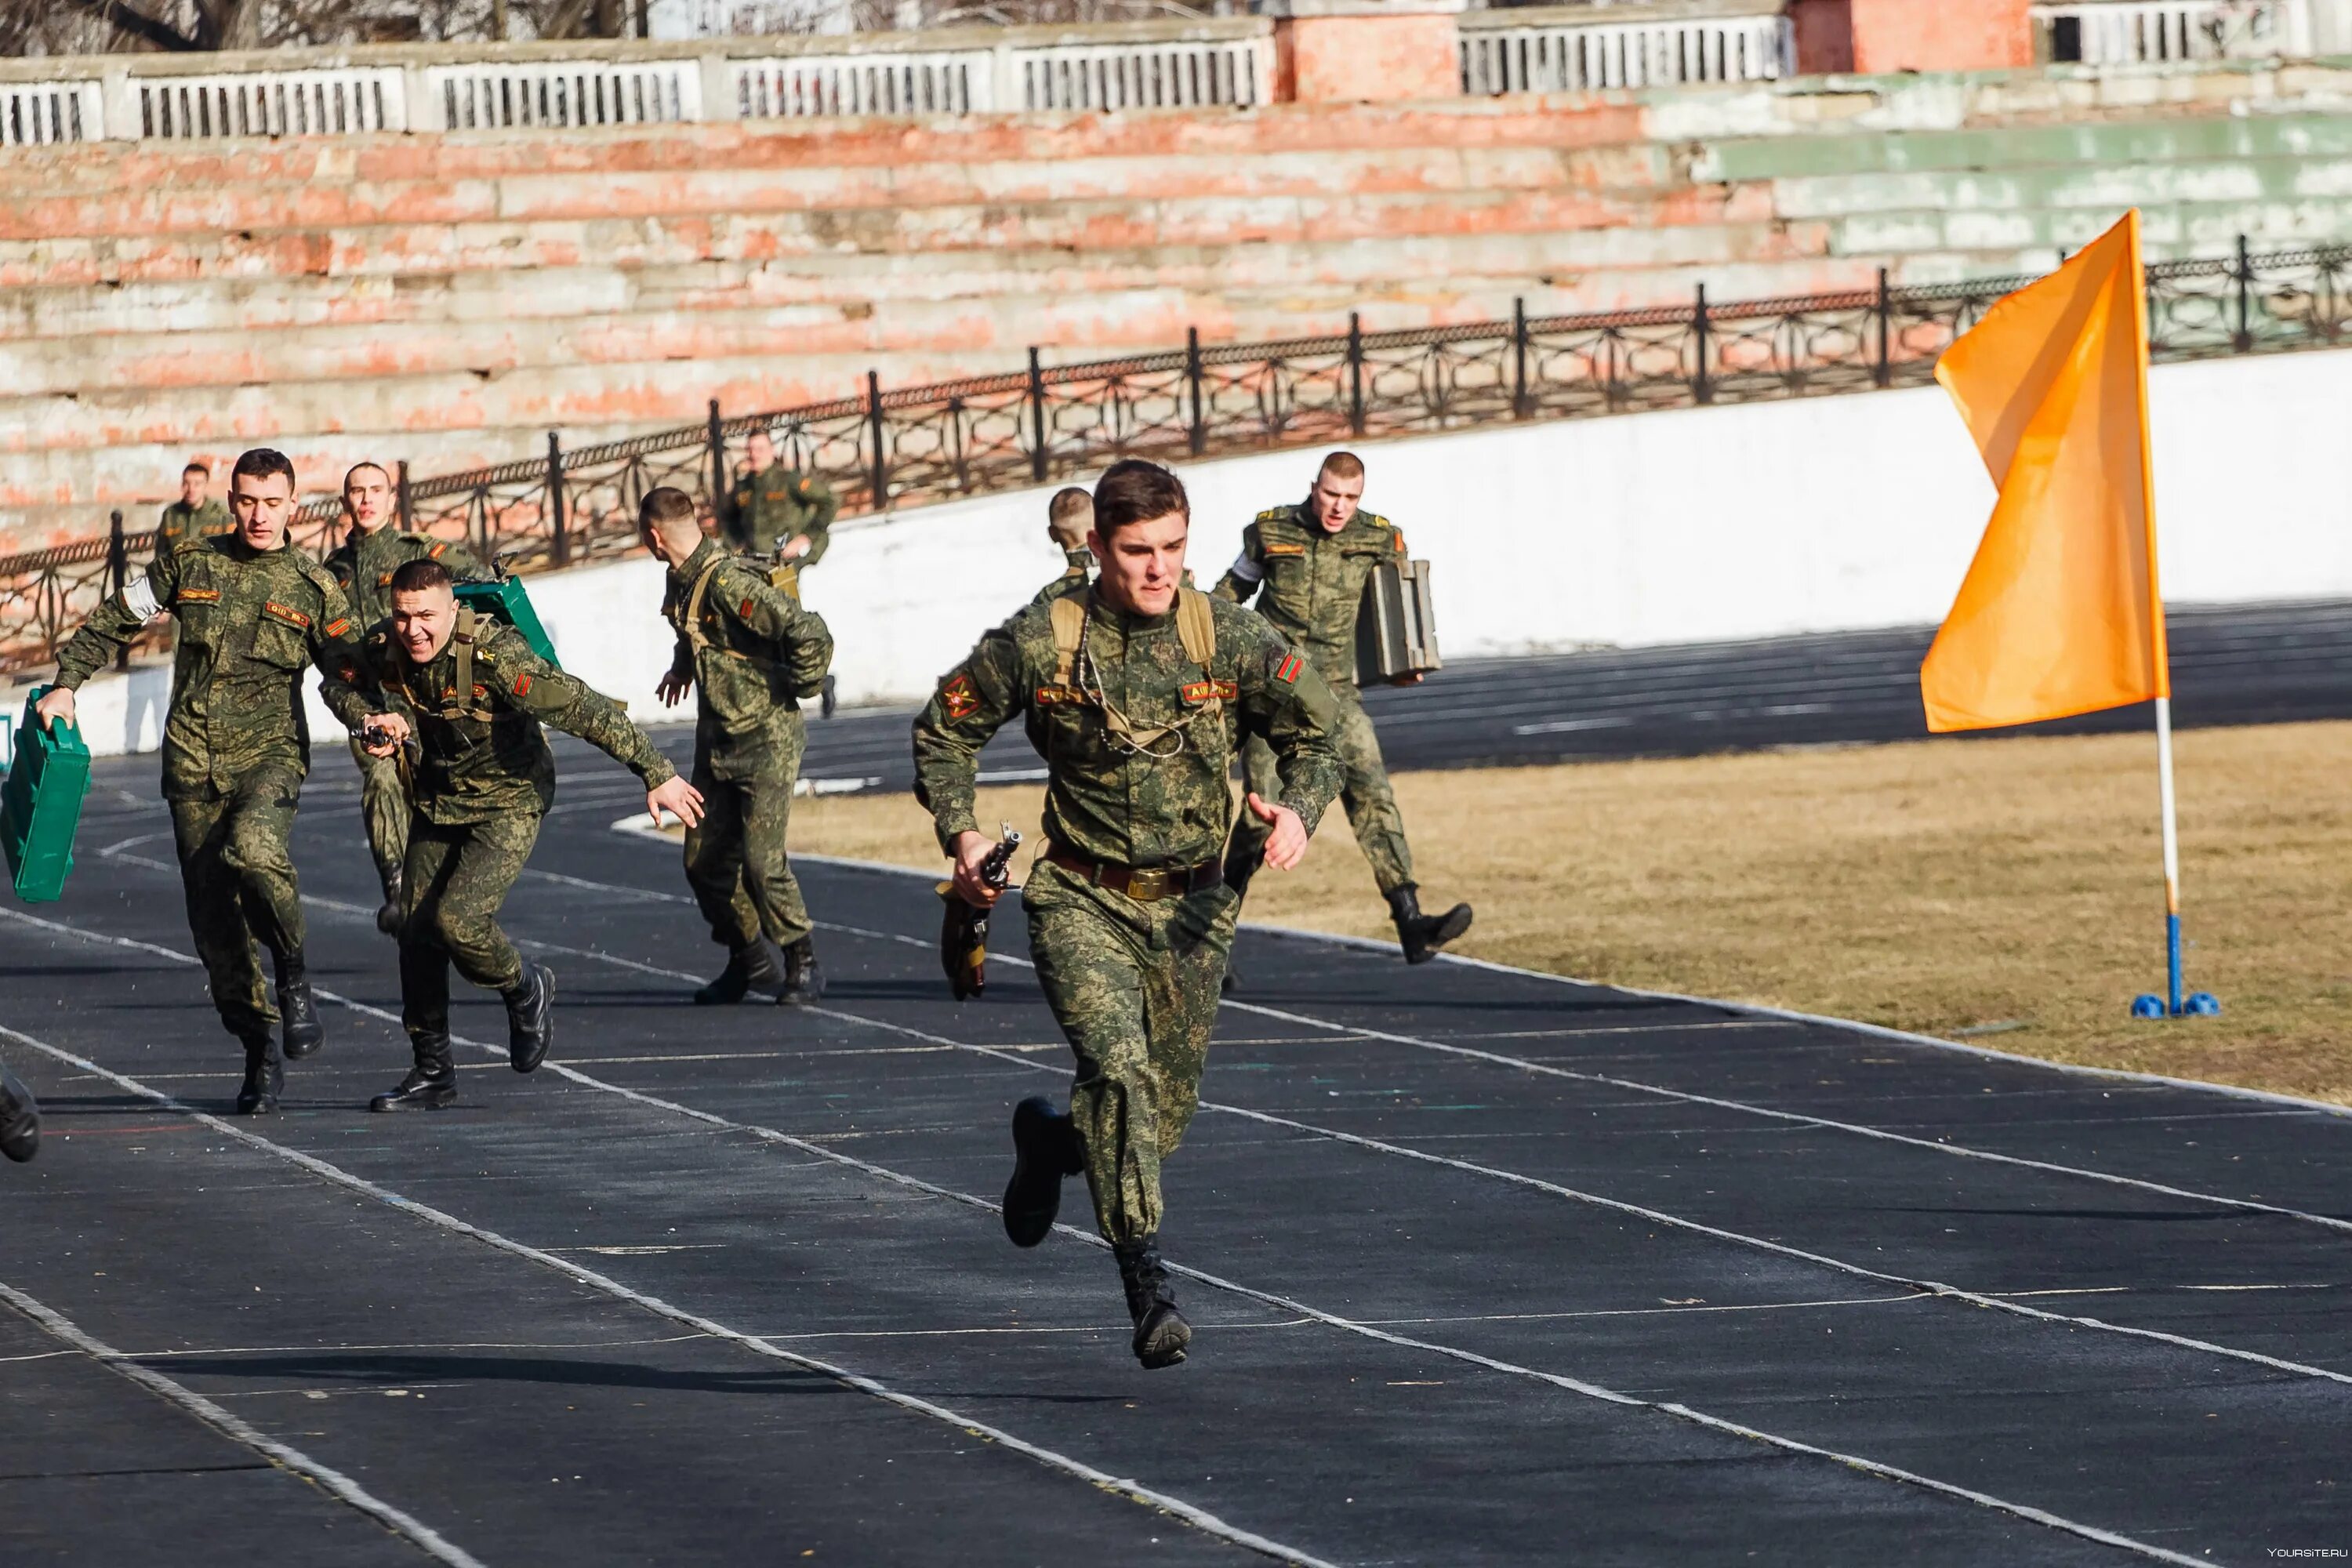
[(383, 811), (455, 880), (1134, 987), (1363, 790), (241, 890), (735, 858)]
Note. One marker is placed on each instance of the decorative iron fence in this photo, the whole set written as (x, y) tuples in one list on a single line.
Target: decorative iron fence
[(920, 445)]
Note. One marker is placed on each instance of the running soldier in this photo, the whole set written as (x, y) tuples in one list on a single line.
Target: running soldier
[(1136, 692), (1311, 561), (472, 694), (253, 612), (752, 655), (1069, 518), (364, 563)]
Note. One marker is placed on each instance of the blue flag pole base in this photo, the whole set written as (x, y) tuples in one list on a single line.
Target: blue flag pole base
[(2196, 1005)]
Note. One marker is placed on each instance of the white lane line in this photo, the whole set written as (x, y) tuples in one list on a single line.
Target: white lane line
[(284, 1456), (990, 1207), (1554, 1189), (1199, 1518)]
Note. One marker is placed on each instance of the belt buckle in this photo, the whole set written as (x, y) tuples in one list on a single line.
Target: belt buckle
[(1147, 882)]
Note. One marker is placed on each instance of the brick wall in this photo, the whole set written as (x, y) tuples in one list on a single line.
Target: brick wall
[(450, 298)]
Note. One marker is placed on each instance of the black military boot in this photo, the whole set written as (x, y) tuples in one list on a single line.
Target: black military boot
[(748, 968), (20, 1118), (1422, 935), (530, 1018), (387, 915), (804, 977), (264, 1076), (298, 1013), (431, 1084), (825, 702), (1162, 1333), (1044, 1150)]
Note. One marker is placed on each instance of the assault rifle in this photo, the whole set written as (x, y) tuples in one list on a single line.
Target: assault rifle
[(963, 927)]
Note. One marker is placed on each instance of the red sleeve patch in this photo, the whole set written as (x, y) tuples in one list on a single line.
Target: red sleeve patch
[(958, 697), (746, 611), (337, 627), (522, 684), (435, 553), (1288, 670)]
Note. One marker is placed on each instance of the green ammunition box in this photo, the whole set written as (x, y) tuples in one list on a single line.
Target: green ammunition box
[(505, 600), (40, 806)]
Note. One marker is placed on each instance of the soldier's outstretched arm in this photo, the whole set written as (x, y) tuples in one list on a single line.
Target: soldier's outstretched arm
[(1287, 704), (824, 506), (346, 684), (975, 700), (530, 684), (1246, 575), (110, 629)]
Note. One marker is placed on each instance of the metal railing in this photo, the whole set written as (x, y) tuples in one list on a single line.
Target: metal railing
[(447, 87), (1583, 48), (920, 445), (2134, 32)]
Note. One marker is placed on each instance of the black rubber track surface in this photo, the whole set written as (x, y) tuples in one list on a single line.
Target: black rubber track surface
[(1490, 1267)]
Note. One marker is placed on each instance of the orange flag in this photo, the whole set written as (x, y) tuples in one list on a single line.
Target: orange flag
[(2059, 614)]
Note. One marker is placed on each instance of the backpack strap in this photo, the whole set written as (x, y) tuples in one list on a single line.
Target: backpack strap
[(1069, 615), (693, 627), (459, 703), (1196, 627)]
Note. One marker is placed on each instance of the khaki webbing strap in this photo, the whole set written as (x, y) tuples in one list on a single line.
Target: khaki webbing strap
[(1196, 627), (1069, 624), (694, 606), (460, 702)]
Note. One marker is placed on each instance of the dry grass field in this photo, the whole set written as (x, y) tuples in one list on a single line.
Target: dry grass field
[(2006, 891)]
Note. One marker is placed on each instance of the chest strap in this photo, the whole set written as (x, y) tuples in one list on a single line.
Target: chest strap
[(458, 703), (1196, 629)]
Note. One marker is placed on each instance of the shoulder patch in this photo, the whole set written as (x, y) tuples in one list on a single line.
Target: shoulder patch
[(805, 484), (1273, 514), (435, 553), (339, 625), (958, 696), (1288, 670), (522, 684)]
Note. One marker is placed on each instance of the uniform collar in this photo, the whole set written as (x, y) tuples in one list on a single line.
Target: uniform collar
[(1124, 621), (685, 572)]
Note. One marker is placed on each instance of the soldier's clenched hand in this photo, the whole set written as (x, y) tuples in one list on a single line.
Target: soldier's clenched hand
[(1287, 846), (677, 797), (385, 733), (795, 547), (971, 850), (57, 705), (673, 688)]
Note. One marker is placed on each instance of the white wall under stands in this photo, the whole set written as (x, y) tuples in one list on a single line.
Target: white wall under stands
[(1696, 525)]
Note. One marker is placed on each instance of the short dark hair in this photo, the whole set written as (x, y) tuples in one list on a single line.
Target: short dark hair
[(1132, 491), (260, 463), (665, 504), (421, 574), (195, 468), (1342, 466), (356, 467)]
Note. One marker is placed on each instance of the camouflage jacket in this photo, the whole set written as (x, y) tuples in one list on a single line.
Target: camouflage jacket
[(1104, 798), (1312, 582), (180, 522), (481, 753), (764, 509), (1081, 563), (750, 651), (250, 621), (364, 562)]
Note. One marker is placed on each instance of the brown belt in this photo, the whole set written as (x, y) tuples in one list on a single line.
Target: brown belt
[(1143, 883)]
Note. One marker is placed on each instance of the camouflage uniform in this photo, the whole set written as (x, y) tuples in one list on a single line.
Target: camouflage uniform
[(1313, 586), (364, 563), (753, 654), (236, 745), (762, 511), (482, 777), (1081, 561), (1133, 981), (180, 522)]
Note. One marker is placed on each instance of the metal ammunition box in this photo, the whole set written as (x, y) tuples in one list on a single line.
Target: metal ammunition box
[(505, 600), (40, 805), (1396, 628)]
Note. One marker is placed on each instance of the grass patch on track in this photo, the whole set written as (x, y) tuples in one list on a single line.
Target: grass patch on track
[(2007, 892)]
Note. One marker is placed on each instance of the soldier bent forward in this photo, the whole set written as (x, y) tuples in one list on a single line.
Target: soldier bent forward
[(473, 695), (753, 656), (1309, 562), (1136, 693), (364, 563), (252, 613)]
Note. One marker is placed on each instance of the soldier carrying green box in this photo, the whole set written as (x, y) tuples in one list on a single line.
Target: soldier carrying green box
[(253, 615)]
